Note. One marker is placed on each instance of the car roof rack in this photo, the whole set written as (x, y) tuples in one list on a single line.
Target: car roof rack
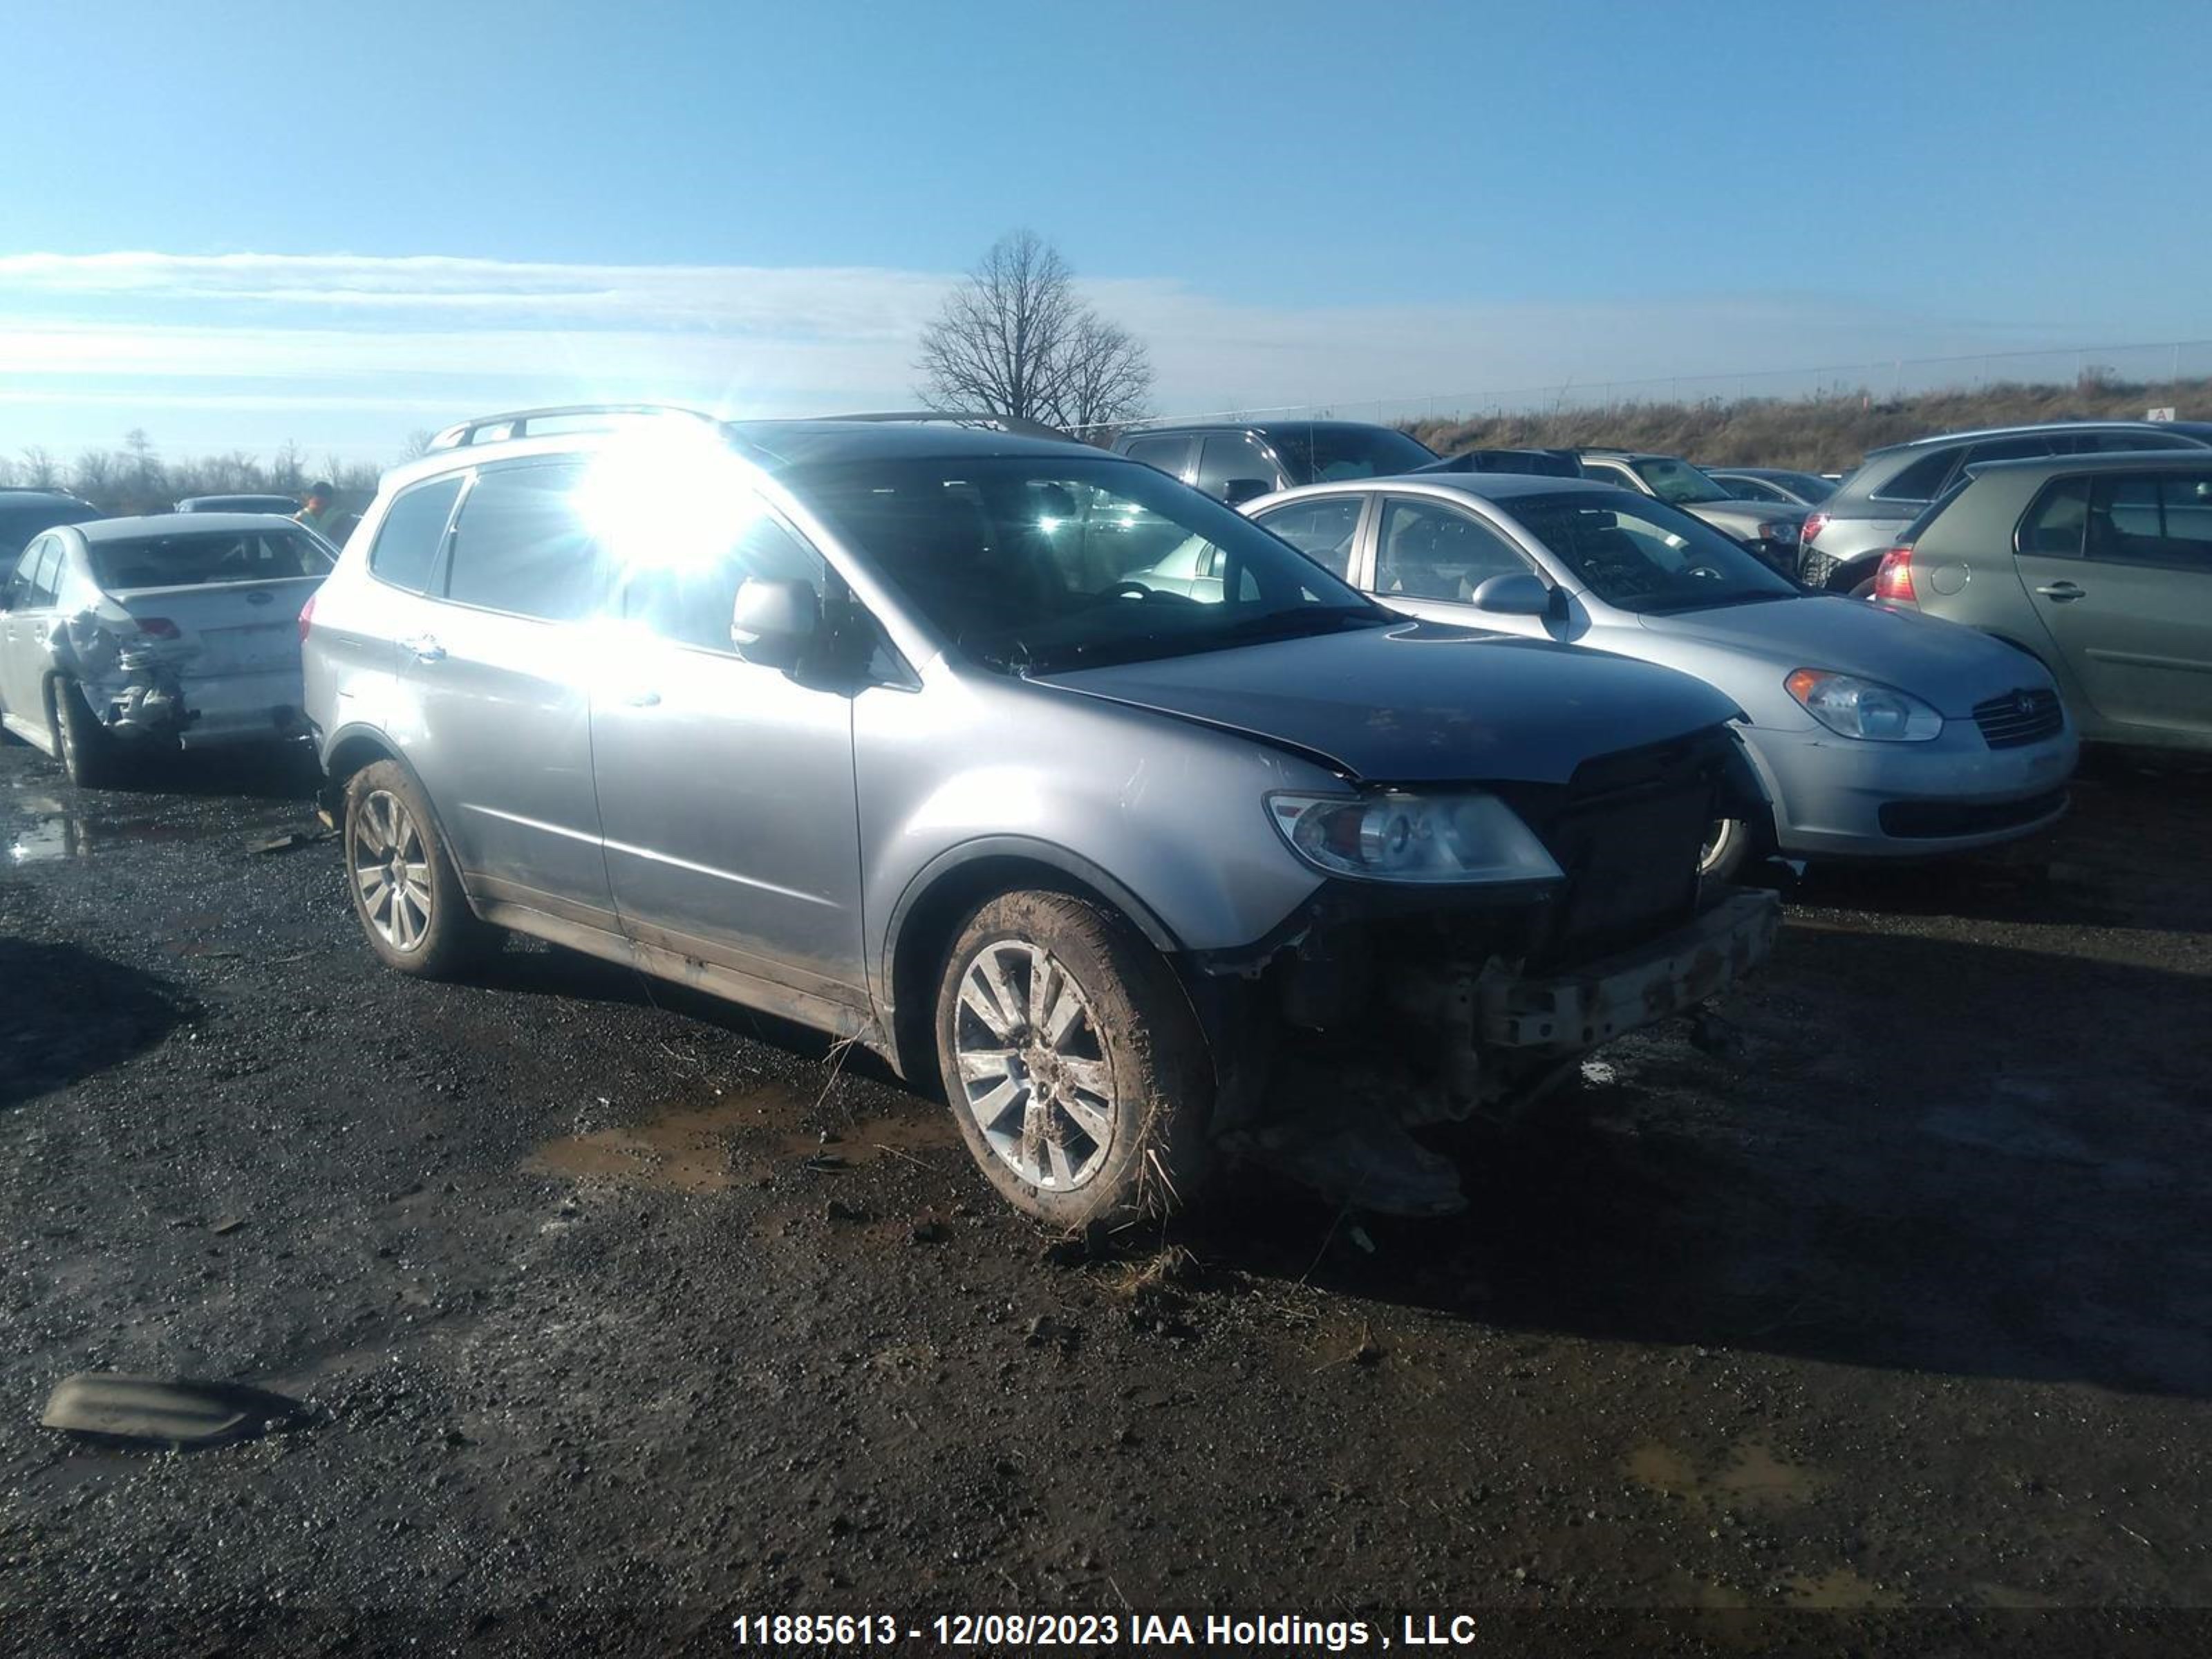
[(1018, 425), (517, 423)]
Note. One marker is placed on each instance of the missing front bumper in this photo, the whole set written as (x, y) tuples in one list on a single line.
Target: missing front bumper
[(1603, 1000)]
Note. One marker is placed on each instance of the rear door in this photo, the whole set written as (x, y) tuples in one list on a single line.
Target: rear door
[(726, 786), (2130, 604), (29, 598), (496, 687)]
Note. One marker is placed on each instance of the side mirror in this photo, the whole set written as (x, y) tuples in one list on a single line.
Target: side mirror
[(1237, 491), (774, 621), (1517, 594)]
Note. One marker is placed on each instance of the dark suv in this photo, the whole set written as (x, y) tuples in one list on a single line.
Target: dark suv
[(24, 513), (1239, 461), (1846, 536)]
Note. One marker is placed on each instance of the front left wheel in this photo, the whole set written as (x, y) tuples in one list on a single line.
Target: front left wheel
[(405, 890), (1072, 1063)]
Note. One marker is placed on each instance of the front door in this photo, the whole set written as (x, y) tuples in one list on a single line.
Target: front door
[(726, 786), (496, 686), (2130, 613)]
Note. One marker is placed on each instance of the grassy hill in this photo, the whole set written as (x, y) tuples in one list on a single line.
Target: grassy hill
[(1821, 434)]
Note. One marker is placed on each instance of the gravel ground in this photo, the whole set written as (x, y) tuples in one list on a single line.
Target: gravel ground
[(612, 1303)]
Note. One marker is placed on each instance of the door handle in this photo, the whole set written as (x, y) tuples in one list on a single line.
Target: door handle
[(2061, 591), (427, 649), (643, 699)]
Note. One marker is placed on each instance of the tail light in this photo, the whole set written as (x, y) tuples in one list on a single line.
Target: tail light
[(1815, 524), (159, 628), (1893, 579), (307, 617)]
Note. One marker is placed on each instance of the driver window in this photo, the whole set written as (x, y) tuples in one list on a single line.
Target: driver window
[(690, 604), (1430, 551)]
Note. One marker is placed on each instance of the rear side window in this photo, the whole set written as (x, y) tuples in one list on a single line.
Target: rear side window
[(1321, 530), (1165, 453), (1233, 458), (519, 547), (407, 542), (47, 578), (1918, 481), (2149, 520), (2053, 525)]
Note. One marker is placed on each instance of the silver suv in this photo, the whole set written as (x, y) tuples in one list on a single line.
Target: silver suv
[(872, 726), (1847, 534)]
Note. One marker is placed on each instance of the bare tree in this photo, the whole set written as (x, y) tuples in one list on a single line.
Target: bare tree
[(40, 470), (1017, 339), (145, 464), (417, 445), (288, 472), (1109, 375), (95, 476)]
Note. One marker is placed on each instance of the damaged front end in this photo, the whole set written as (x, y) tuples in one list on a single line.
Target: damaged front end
[(1376, 1010)]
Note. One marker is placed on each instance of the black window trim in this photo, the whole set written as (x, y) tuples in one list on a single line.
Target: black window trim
[(433, 574)]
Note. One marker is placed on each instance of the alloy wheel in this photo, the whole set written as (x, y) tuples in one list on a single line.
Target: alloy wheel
[(1033, 1071), (391, 868)]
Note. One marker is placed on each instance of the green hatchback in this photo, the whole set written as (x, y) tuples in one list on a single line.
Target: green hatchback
[(2098, 565)]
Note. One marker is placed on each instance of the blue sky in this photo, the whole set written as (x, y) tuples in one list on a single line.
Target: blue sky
[(244, 224)]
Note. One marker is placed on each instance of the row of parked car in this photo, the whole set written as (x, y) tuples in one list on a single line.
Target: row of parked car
[(1145, 825)]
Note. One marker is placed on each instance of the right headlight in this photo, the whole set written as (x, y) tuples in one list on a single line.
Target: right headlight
[(1396, 834), (1853, 708)]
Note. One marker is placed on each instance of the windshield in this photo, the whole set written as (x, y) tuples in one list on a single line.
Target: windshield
[(1678, 481), (1031, 564), (1641, 556), (1322, 454), (206, 559)]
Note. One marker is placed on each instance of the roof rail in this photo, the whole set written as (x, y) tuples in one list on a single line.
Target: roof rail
[(989, 421), (515, 422)]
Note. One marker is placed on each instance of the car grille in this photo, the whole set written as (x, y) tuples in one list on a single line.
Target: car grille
[(2025, 716), (1625, 832)]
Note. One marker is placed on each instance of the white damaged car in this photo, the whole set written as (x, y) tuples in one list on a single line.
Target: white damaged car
[(182, 630)]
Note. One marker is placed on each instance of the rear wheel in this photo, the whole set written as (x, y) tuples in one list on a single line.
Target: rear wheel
[(405, 890), (1073, 1064), (85, 748)]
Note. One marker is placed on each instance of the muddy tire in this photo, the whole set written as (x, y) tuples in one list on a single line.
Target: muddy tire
[(1072, 1063), (405, 890), (85, 748)]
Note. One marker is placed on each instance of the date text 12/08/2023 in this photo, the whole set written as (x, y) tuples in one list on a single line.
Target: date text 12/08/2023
[(1073, 1630)]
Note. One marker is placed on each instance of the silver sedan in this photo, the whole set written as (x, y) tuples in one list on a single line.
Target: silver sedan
[(1875, 733)]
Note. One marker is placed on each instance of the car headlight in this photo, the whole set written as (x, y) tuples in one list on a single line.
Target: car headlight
[(1854, 708), (1778, 530), (1393, 836)]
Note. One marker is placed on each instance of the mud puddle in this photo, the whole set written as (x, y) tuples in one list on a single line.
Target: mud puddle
[(1752, 1475), (739, 1138), (43, 829)]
